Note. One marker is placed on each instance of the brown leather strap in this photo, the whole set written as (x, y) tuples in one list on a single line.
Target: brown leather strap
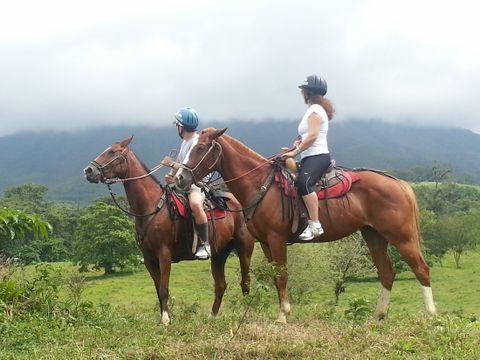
[(250, 210)]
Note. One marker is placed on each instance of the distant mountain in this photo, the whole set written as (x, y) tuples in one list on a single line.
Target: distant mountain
[(57, 159)]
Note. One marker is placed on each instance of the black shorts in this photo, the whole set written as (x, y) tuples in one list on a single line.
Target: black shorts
[(311, 170)]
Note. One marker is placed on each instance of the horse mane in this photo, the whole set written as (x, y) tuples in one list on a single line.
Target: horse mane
[(246, 149), (148, 170)]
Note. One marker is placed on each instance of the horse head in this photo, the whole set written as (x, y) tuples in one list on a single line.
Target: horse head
[(202, 160), (110, 164)]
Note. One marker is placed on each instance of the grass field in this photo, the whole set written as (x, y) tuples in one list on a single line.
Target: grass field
[(122, 321), (454, 289)]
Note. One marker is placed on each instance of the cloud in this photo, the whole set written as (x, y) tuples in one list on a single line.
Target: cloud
[(69, 66)]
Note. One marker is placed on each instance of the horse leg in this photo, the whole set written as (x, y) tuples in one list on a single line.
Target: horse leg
[(378, 249), (278, 251), (244, 247), (412, 254), (165, 261), (153, 268), (266, 251), (218, 272)]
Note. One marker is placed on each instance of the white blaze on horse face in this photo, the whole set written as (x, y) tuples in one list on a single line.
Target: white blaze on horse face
[(382, 303), (104, 151), (428, 299)]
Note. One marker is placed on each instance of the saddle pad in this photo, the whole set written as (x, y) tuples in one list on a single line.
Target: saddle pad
[(339, 189), (211, 214), (216, 214), (180, 205)]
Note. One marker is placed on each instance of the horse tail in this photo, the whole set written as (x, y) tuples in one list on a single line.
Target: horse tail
[(415, 210)]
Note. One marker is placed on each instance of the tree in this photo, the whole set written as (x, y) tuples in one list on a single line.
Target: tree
[(63, 217), (15, 226), (455, 233), (347, 259), (29, 198), (105, 238)]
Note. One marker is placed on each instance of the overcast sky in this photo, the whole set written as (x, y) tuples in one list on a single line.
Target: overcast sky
[(75, 64)]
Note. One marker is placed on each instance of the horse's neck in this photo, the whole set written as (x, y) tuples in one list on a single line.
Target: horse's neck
[(243, 168), (142, 194)]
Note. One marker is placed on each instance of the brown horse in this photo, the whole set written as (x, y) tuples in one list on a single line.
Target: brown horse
[(383, 208), (161, 239)]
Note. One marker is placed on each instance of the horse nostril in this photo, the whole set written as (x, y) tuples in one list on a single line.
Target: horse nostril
[(88, 170)]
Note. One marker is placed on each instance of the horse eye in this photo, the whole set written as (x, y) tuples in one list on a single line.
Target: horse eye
[(200, 148)]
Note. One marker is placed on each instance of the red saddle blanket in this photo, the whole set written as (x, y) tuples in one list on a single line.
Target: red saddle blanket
[(339, 189), (181, 206), (335, 191)]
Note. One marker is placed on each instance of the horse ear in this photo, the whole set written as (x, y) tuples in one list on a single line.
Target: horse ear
[(127, 141), (219, 133)]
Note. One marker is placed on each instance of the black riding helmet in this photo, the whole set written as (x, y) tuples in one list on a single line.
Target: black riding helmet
[(315, 85)]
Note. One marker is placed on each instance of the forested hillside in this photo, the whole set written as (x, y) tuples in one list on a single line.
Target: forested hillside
[(57, 159)]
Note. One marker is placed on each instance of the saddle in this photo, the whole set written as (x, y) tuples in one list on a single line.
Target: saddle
[(334, 183), (214, 206)]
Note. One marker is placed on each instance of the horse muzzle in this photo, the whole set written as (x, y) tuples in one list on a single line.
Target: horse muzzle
[(92, 174)]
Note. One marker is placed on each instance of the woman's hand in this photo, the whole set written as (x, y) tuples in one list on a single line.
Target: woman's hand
[(291, 153)]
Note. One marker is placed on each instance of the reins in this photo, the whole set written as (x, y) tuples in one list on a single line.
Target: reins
[(261, 192), (215, 143), (117, 180), (112, 194)]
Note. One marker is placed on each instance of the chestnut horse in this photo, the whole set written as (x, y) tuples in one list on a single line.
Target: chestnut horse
[(383, 208), (161, 239)]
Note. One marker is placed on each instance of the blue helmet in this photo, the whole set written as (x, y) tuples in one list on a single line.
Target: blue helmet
[(187, 118), (314, 84)]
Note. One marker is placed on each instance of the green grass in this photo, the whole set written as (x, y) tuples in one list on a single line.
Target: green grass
[(123, 320), (454, 289)]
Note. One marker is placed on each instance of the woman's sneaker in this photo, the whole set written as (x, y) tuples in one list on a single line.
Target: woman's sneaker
[(313, 230), (306, 234)]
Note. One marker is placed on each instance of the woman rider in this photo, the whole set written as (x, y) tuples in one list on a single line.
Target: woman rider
[(312, 146)]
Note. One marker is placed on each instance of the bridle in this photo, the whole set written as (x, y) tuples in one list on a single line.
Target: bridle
[(101, 168), (109, 181), (214, 143), (262, 189), (192, 170)]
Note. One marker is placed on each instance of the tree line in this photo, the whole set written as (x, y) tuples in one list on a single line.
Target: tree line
[(33, 229), (99, 234)]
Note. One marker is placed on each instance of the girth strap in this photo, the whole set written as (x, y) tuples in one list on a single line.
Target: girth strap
[(141, 234), (250, 210)]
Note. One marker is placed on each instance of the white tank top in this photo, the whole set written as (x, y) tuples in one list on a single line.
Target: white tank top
[(320, 145)]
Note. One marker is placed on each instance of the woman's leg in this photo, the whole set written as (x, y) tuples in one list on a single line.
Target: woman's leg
[(311, 202)]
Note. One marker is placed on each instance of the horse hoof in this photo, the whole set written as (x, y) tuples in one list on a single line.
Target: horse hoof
[(282, 319), (165, 319)]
